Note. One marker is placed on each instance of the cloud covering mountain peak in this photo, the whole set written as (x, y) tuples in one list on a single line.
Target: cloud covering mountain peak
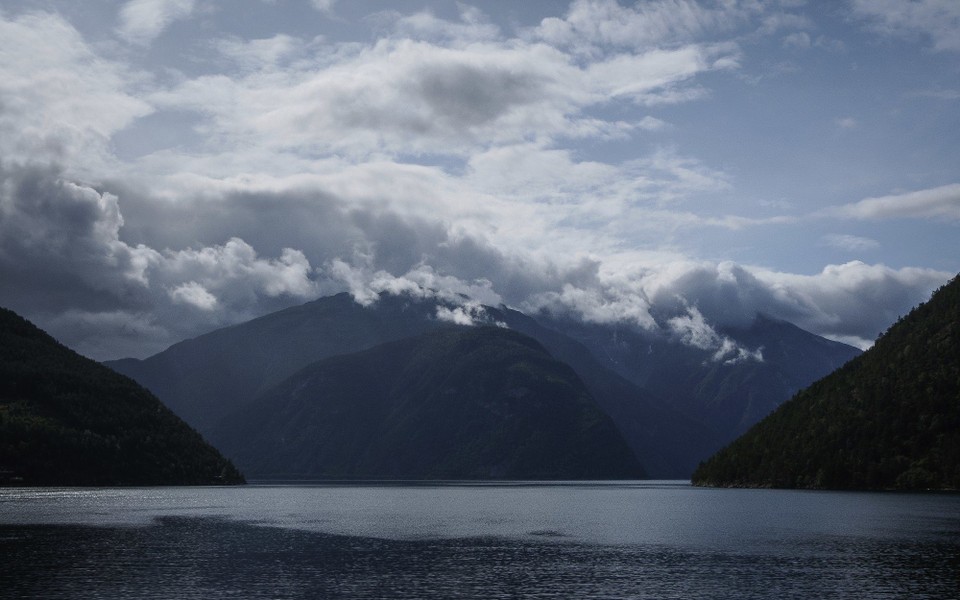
[(165, 171)]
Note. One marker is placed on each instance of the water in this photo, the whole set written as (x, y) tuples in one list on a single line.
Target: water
[(562, 540)]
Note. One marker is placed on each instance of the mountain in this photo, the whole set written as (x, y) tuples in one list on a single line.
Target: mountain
[(203, 379), (669, 444), (67, 420), (672, 403), (455, 403), (889, 419), (207, 378), (727, 395)]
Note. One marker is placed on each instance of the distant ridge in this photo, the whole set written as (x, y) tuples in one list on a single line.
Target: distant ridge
[(68, 420), (455, 403), (203, 379), (889, 419), (726, 397), (673, 403)]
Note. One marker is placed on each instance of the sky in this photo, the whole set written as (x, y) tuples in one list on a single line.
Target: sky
[(168, 167)]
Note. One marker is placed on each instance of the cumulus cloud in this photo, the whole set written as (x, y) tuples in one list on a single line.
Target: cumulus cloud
[(51, 228), (936, 203), (61, 251), (853, 302), (60, 102), (448, 159), (417, 91), (366, 285), (220, 268), (194, 294), (141, 21)]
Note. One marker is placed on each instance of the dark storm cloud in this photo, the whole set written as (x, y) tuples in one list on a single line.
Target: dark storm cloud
[(59, 245), (69, 258)]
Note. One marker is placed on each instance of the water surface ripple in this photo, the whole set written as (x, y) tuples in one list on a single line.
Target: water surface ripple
[(563, 540)]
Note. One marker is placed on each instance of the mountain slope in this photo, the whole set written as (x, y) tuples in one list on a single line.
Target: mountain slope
[(67, 420), (669, 444), (205, 378), (671, 402), (456, 403), (888, 419), (726, 396)]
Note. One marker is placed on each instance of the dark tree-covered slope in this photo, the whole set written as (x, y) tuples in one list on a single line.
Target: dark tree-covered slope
[(456, 403), (68, 420), (889, 419)]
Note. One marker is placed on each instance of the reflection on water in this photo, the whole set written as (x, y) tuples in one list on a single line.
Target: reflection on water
[(561, 541)]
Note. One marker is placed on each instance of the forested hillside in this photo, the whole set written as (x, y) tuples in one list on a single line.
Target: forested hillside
[(67, 420), (889, 419)]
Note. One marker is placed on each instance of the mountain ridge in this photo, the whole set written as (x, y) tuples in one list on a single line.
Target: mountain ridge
[(453, 403), (207, 378)]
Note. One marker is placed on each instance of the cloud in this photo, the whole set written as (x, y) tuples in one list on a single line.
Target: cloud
[(457, 90), (141, 21), (473, 26), (938, 20), (798, 39), (237, 273), (938, 94), (366, 284), (63, 248), (55, 233), (941, 203), (265, 53), (853, 302), (468, 314), (852, 243), (60, 102), (452, 159), (846, 122), (324, 6), (591, 24), (395, 97), (694, 330), (194, 294), (61, 252)]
